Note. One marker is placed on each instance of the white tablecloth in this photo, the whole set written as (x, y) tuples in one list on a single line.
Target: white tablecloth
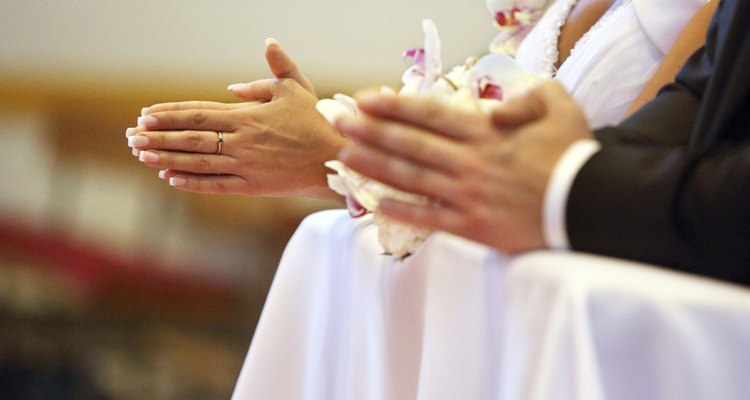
[(457, 320)]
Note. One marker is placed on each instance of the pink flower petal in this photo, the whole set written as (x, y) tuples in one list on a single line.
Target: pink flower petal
[(417, 55), (501, 19), (488, 89), (355, 209)]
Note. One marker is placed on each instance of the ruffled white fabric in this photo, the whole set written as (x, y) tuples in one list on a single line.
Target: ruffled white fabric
[(611, 64), (538, 51), (451, 322)]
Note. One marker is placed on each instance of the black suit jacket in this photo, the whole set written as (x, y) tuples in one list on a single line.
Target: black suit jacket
[(671, 185)]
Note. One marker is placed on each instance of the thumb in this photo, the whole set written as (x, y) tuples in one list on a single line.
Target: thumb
[(282, 66), (260, 90), (518, 111), (530, 107)]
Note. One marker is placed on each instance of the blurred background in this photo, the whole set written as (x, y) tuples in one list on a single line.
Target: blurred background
[(112, 285)]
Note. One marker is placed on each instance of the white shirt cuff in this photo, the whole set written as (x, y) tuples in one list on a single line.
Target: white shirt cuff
[(556, 197)]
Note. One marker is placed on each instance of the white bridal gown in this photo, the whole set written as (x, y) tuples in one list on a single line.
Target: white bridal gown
[(458, 320)]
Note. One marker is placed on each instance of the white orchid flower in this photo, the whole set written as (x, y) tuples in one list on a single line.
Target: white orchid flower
[(477, 85), (514, 19)]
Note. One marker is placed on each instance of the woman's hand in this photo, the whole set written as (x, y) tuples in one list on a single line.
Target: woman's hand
[(274, 145)]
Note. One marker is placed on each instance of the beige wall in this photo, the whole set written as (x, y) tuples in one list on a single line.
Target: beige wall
[(341, 44)]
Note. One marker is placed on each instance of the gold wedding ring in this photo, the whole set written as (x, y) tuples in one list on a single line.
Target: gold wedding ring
[(219, 142)]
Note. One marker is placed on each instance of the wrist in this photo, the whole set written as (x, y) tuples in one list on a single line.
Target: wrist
[(556, 196)]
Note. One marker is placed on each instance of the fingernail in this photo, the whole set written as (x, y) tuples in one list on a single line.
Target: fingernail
[(235, 86), (144, 111), (177, 181), (137, 141), (270, 41), (345, 123), (148, 157), (129, 132), (136, 152), (368, 96), (162, 174), (147, 122)]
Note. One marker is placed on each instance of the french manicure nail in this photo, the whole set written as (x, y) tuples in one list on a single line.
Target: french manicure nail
[(270, 41), (235, 86), (147, 122), (162, 174), (136, 152), (144, 111), (148, 157), (129, 132), (177, 181), (137, 141)]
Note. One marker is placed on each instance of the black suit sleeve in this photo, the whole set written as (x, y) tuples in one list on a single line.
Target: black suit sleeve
[(657, 193)]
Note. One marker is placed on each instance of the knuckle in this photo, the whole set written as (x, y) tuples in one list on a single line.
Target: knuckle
[(470, 193), (255, 187), (285, 85), (203, 164), (503, 156), (474, 219), (194, 140), (218, 186), (199, 119), (158, 141), (167, 161), (262, 133), (414, 175), (160, 107), (461, 223), (389, 134), (471, 166), (465, 226), (433, 111), (417, 178), (388, 105), (419, 149), (536, 104)]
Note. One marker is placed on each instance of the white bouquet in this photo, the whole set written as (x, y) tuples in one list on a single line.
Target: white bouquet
[(477, 85)]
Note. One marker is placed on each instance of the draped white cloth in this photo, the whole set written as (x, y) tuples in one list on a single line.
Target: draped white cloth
[(458, 320)]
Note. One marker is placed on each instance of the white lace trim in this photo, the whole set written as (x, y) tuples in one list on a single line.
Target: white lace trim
[(599, 24), (551, 39)]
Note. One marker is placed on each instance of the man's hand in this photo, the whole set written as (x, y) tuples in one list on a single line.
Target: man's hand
[(488, 174)]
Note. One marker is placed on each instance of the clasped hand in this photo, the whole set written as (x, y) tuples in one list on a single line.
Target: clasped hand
[(488, 175), (274, 144)]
